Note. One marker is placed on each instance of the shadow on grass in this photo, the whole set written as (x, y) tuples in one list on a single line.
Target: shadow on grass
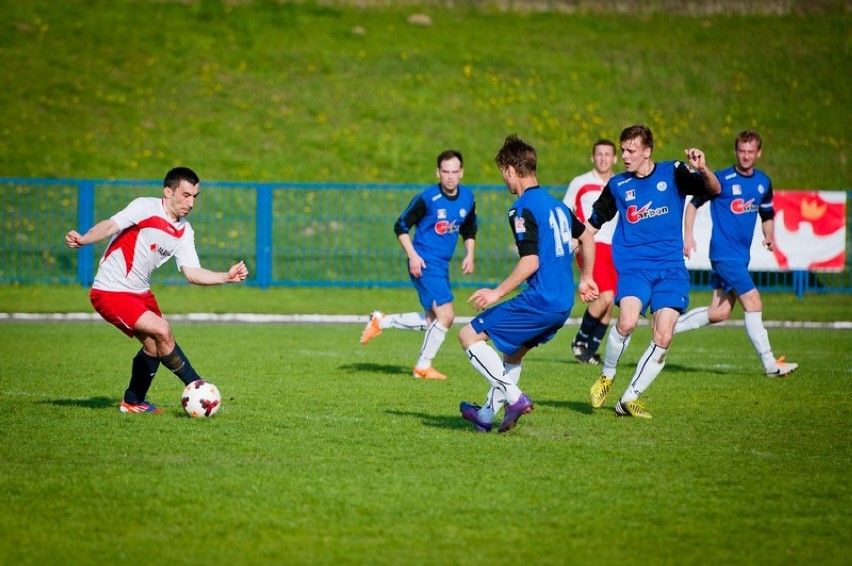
[(368, 367), (90, 403), (450, 422), (582, 407)]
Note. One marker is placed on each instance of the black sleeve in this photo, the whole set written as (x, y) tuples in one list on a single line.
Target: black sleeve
[(604, 209), (689, 183), (527, 242), (698, 201), (766, 213), (468, 228), (413, 214), (577, 227)]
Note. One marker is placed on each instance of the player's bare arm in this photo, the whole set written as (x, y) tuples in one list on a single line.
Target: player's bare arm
[(484, 298), (100, 231), (416, 265), (587, 288), (467, 262), (689, 244), (201, 276)]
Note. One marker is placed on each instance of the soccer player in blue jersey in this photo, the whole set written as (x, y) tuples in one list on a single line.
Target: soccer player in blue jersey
[(746, 194), (438, 216), (647, 249), (543, 228)]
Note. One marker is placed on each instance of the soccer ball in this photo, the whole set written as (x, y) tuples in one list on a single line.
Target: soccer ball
[(201, 399)]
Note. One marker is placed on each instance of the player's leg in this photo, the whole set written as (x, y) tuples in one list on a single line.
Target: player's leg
[(441, 319), (158, 329), (753, 307), (142, 372)]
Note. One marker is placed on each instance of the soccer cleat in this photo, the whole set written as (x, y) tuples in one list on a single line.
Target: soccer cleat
[(427, 373), (373, 327), (631, 409), (514, 412), (783, 368), (583, 355), (470, 413), (599, 391), (143, 407)]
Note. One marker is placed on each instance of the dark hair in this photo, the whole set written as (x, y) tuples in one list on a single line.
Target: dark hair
[(175, 176), (747, 136), (603, 141), (449, 154), (518, 154), (638, 131)]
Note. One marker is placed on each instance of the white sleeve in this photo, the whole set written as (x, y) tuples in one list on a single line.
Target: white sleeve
[(185, 254), (132, 213)]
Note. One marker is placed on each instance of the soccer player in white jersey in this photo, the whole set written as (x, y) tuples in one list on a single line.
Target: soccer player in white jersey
[(144, 236), (746, 194), (582, 193), (647, 249)]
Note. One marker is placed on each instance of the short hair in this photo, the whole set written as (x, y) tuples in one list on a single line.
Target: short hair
[(518, 154), (747, 136), (177, 175), (638, 131), (606, 142), (449, 154)]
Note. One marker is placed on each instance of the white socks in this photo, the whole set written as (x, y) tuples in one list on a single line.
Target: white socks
[(616, 345), (487, 362), (435, 334), (760, 340), (649, 367), (405, 321), (692, 320)]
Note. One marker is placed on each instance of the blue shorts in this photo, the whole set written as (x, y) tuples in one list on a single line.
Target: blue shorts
[(433, 288), (659, 289), (731, 275), (516, 323)]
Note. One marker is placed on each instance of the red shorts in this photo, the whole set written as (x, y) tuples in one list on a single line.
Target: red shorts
[(122, 309), (604, 272)]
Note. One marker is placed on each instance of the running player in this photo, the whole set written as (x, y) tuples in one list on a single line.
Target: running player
[(582, 192), (144, 236), (438, 215), (746, 194), (648, 253), (543, 228)]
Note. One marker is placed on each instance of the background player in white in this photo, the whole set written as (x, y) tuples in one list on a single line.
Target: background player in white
[(582, 193), (438, 215), (144, 236), (746, 194), (647, 249)]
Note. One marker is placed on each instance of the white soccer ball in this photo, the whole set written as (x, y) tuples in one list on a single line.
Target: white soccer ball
[(201, 399)]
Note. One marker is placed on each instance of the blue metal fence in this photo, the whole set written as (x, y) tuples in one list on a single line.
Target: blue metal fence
[(290, 234)]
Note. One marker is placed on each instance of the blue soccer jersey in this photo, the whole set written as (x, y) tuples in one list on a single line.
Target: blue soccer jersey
[(544, 226), (734, 212), (649, 234), (438, 219)]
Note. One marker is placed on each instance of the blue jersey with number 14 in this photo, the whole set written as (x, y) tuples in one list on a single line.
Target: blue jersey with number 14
[(544, 226)]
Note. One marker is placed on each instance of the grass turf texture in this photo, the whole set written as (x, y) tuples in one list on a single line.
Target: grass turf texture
[(328, 452), (273, 91)]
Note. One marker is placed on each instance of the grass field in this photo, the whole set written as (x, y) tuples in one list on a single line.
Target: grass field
[(326, 452)]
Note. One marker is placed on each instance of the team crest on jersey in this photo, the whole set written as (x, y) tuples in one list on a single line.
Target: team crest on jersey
[(442, 213), (630, 195), (463, 212), (520, 226), (760, 189), (736, 190), (662, 186)]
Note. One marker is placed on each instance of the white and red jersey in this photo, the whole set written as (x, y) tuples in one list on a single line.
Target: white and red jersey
[(148, 237), (582, 193)]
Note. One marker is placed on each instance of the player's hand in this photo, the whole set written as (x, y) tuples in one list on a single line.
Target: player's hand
[(72, 239), (483, 298), (769, 244), (416, 265), (689, 246), (238, 272), (696, 158), (467, 265), (588, 290)]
